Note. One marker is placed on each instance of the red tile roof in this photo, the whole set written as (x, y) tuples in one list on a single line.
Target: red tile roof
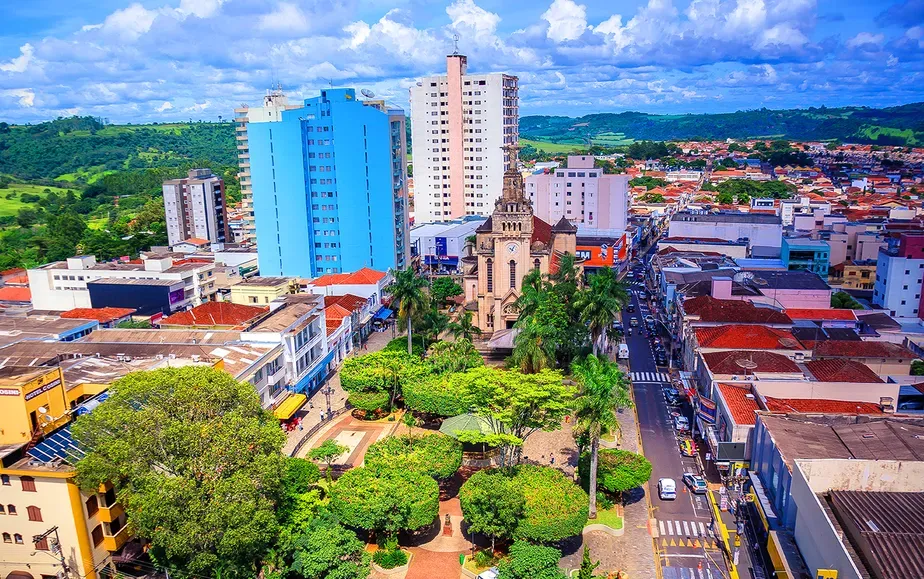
[(542, 231), (861, 349), (814, 314), (15, 294), (364, 276), (215, 314), (740, 403), (821, 406), (753, 336), (728, 362), (336, 312), (196, 241), (351, 302), (842, 370), (101, 315), (19, 279), (710, 309)]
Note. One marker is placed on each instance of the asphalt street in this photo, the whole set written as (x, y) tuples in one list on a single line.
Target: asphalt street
[(686, 546)]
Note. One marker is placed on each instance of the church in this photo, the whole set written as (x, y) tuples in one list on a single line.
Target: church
[(510, 244)]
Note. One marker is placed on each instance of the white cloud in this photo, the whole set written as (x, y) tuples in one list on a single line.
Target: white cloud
[(466, 14), (21, 62), (866, 38), (25, 97), (286, 17), (129, 23), (166, 106), (358, 31), (197, 107), (200, 8), (567, 20)]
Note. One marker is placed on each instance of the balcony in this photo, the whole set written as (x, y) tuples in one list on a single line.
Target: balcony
[(111, 513), (115, 542)]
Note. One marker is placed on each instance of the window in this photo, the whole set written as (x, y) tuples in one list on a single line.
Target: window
[(536, 264), (17, 538), (11, 509), (513, 274), (489, 274), (2, 510), (35, 514), (97, 535), (5, 479), (28, 483), (7, 538)]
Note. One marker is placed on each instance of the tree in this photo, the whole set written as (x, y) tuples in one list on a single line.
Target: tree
[(433, 323), (463, 328), (844, 300), (374, 380), (435, 455), (327, 452), (653, 198), (599, 304), (455, 356), (603, 393), (439, 394), (543, 333), (587, 565), (444, 288), (917, 368), (408, 297), (620, 470), (327, 550), (386, 501), (27, 217), (198, 464), (492, 504), (528, 561), (518, 404)]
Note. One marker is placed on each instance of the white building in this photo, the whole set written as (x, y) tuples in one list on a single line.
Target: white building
[(62, 285), (803, 205), (195, 208), (441, 245), (763, 232), (459, 123), (580, 193)]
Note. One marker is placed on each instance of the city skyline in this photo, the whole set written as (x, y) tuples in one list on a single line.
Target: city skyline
[(161, 60)]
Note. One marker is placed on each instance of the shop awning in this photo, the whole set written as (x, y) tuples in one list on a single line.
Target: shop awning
[(383, 314), (290, 406)]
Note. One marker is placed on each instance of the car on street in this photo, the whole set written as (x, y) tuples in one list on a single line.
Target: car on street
[(696, 483), (672, 396), (633, 322), (630, 308), (660, 359), (687, 447), (681, 424), (649, 319), (623, 351), (667, 489)]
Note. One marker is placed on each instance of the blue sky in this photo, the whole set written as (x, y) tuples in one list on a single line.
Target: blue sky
[(162, 60)]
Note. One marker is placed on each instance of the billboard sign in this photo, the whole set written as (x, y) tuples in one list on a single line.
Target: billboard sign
[(441, 247)]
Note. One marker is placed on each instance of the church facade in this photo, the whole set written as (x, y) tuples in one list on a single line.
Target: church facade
[(510, 244)]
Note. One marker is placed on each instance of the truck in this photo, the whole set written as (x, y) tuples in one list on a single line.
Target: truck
[(623, 351)]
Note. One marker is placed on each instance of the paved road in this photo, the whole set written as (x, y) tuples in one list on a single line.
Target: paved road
[(684, 523)]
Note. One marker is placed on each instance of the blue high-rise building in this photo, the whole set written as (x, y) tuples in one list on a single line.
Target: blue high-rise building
[(329, 184)]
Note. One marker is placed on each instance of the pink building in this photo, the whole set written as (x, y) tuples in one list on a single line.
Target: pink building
[(580, 193)]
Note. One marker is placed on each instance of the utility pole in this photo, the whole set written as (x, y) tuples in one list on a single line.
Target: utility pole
[(56, 549)]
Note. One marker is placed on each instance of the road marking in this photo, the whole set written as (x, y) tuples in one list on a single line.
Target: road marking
[(650, 377), (677, 524), (702, 529), (686, 529), (670, 528), (692, 528), (661, 526)]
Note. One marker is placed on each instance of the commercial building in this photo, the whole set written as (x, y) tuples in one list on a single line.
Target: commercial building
[(581, 193), (460, 123), (260, 290), (764, 233), (329, 185), (440, 246), (154, 283), (195, 208), (899, 275), (812, 255)]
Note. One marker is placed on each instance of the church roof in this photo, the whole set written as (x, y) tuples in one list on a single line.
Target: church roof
[(564, 226), (542, 231), (485, 227)]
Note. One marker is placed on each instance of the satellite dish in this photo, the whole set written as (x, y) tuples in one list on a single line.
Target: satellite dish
[(42, 410), (367, 93), (48, 418)]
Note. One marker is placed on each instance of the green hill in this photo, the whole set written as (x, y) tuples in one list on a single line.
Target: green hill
[(901, 125)]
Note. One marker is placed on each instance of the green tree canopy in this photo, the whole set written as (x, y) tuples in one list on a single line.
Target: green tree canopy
[(620, 470), (327, 452), (443, 288), (456, 356), (492, 504), (374, 380), (326, 550), (440, 394), (408, 296), (844, 300), (435, 455), (386, 501), (528, 561), (196, 462)]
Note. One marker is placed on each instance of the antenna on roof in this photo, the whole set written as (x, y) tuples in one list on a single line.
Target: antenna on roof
[(455, 43)]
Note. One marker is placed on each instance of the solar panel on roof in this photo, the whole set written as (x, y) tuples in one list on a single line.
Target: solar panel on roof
[(59, 445)]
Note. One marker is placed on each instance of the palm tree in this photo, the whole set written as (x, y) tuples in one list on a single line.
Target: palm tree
[(433, 323), (530, 293), (463, 328), (599, 304), (603, 392), (408, 296)]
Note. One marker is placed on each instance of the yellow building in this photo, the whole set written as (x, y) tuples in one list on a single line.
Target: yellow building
[(258, 291)]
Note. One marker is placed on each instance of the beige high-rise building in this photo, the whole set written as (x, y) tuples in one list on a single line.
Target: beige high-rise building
[(460, 123), (195, 208)]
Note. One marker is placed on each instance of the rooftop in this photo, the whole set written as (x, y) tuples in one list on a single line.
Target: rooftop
[(101, 315), (364, 276), (710, 309), (738, 362), (842, 370), (296, 307), (351, 302), (817, 314), (753, 336), (821, 406), (15, 294), (262, 282), (785, 280), (862, 349), (740, 402), (168, 336), (48, 328), (727, 217), (127, 281), (215, 314)]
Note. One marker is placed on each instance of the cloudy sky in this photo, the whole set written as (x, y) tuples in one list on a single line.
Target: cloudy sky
[(159, 60)]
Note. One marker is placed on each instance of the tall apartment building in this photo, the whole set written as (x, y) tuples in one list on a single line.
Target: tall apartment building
[(274, 103), (581, 194), (900, 276), (459, 124), (329, 185), (195, 208)]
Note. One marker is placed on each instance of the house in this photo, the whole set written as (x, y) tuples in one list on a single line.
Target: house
[(107, 317), (884, 358), (260, 290), (215, 315)]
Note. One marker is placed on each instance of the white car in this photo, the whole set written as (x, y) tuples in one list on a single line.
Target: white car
[(491, 573), (667, 489)]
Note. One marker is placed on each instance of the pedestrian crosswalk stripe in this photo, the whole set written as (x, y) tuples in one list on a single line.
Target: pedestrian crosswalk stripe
[(649, 377), (683, 528), (661, 526), (670, 528), (702, 529), (686, 529)]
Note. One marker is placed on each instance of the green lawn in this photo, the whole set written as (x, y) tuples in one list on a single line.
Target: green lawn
[(88, 174), (608, 518), (553, 147), (97, 223), (874, 131), (12, 206)]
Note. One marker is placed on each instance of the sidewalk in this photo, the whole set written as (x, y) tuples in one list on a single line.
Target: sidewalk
[(311, 412), (731, 523)]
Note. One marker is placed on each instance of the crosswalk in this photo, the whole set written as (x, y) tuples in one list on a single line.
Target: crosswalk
[(669, 528), (649, 377), (689, 573)]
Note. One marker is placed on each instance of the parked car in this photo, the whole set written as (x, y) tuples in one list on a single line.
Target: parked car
[(491, 573), (630, 308), (667, 489), (672, 397), (681, 424), (696, 483), (661, 360), (911, 406), (649, 319), (687, 447), (633, 322)]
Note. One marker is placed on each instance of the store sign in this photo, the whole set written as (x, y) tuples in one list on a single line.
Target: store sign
[(51, 385), (9, 392), (707, 410), (442, 248)]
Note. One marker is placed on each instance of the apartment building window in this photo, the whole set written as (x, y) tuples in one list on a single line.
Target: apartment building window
[(11, 509), (35, 513), (97, 535), (5, 479), (92, 505), (7, 538), (17, 538)]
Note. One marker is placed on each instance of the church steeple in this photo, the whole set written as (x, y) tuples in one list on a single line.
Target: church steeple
[(513, 180)]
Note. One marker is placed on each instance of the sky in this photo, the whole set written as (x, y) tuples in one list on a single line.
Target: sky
[(170, 60)]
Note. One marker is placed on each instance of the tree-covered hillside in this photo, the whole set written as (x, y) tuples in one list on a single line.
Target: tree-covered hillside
[(902, 125)]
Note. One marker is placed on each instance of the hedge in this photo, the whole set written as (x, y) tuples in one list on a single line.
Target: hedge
[(437, 394), (435, 455)]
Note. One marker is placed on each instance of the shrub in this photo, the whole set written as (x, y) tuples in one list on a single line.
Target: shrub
[(435, 455), (483, 558), (372, 380), (385, 500), (400, 345), (442, 395), (389, 559), (369, 401), (618, 470), (531, 562)]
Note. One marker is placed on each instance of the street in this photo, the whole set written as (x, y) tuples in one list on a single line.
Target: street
[(686, 543)]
